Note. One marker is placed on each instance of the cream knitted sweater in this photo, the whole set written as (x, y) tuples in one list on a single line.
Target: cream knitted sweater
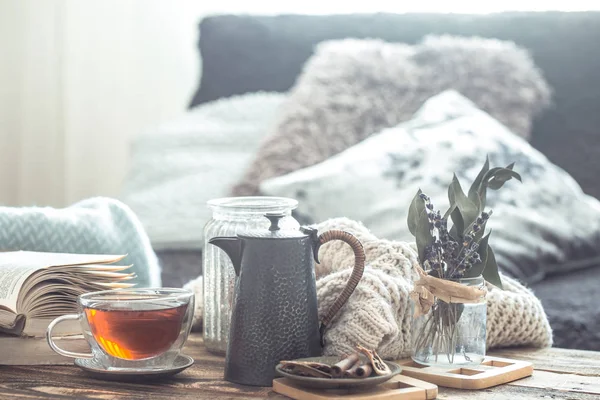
[(378, 314)]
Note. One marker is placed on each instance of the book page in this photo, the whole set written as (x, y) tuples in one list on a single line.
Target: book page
[(57, 259), (12, 276), (100, 267), (17, 266), (11, 323)]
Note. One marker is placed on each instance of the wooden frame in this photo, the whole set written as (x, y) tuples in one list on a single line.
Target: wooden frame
[(399, 387), (492, 371)]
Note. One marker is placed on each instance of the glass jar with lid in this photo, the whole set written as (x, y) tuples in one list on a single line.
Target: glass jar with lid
[(231, 216)]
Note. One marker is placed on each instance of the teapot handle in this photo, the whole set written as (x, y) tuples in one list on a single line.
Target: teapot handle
[(357, 272)]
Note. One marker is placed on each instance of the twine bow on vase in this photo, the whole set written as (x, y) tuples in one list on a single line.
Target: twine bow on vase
[(429, 287)]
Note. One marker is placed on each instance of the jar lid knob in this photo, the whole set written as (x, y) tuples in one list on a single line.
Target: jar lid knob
[(274, 218)]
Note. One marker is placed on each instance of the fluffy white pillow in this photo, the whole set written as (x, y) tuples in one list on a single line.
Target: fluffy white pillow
[(178, 167), (542, 225), (353, 88)]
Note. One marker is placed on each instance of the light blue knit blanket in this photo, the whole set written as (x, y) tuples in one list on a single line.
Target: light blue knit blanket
[(94, 226)]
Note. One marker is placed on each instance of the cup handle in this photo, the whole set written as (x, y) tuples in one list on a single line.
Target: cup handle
[(53, 345), (357, 272)]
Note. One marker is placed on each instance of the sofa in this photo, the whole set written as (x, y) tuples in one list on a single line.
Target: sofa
[(246, 54)]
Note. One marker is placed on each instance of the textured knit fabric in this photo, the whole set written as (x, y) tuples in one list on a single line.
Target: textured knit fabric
[(351, 89), (378, 314), (93, 226)]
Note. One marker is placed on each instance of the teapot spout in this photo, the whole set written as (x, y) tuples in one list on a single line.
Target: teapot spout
[(233, 247)]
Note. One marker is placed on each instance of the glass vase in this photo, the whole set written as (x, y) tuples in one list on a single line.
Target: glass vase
[(231, 216), (451, 334)]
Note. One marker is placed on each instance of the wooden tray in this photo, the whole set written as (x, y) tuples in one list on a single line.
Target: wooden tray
[(491, 372), (399, 387)]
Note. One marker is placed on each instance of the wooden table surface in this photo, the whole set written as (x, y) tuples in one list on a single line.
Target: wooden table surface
[(559, 374)]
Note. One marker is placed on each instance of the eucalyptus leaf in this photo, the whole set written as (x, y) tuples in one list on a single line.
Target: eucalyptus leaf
[(458, 225), (423, 235), (416, 206), (490, 272), (501, 177), (477, 269), (469, 210), (474, 190), (449, 211), (490, 174)]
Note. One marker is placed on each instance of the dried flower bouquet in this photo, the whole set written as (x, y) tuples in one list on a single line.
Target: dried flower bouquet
[(454, 262)]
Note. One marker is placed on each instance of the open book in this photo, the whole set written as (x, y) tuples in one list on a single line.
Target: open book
[(37, 287)]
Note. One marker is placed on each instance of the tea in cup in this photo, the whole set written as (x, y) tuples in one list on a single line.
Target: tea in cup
[(132, 328)]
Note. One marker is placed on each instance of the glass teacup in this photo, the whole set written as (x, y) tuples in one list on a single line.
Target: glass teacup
[(132, 328)]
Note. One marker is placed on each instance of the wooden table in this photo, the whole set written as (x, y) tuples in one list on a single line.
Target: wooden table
[(559, 374)]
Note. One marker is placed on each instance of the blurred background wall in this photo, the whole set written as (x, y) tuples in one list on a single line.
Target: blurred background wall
[(79, 78)]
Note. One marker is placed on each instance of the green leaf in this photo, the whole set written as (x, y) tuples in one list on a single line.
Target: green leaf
[(469, 210), (490, 174), (490, 272), (423, 235), (484, 185), (449, 211), (414, 211), (501, 177), (477, 270), (479, 235), (475, 189), (458, 225)]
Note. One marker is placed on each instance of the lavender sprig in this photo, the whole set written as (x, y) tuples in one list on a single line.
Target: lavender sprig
[(462, 251), (445, 256)]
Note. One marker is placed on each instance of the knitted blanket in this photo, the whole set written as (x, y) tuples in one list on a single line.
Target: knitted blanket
[(93, 226), (378, 314)]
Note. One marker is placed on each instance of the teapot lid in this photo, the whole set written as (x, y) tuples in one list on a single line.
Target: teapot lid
[(274, 231)]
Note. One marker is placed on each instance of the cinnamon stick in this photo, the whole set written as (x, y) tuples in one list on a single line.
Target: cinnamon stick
[(351, 373), (305, 370), (364, 371), (338, 370)]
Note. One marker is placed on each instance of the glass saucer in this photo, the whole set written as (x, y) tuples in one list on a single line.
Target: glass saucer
[(95, 370)]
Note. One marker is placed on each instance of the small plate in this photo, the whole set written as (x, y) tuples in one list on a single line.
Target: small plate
[(95, 370), (337, 383)]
